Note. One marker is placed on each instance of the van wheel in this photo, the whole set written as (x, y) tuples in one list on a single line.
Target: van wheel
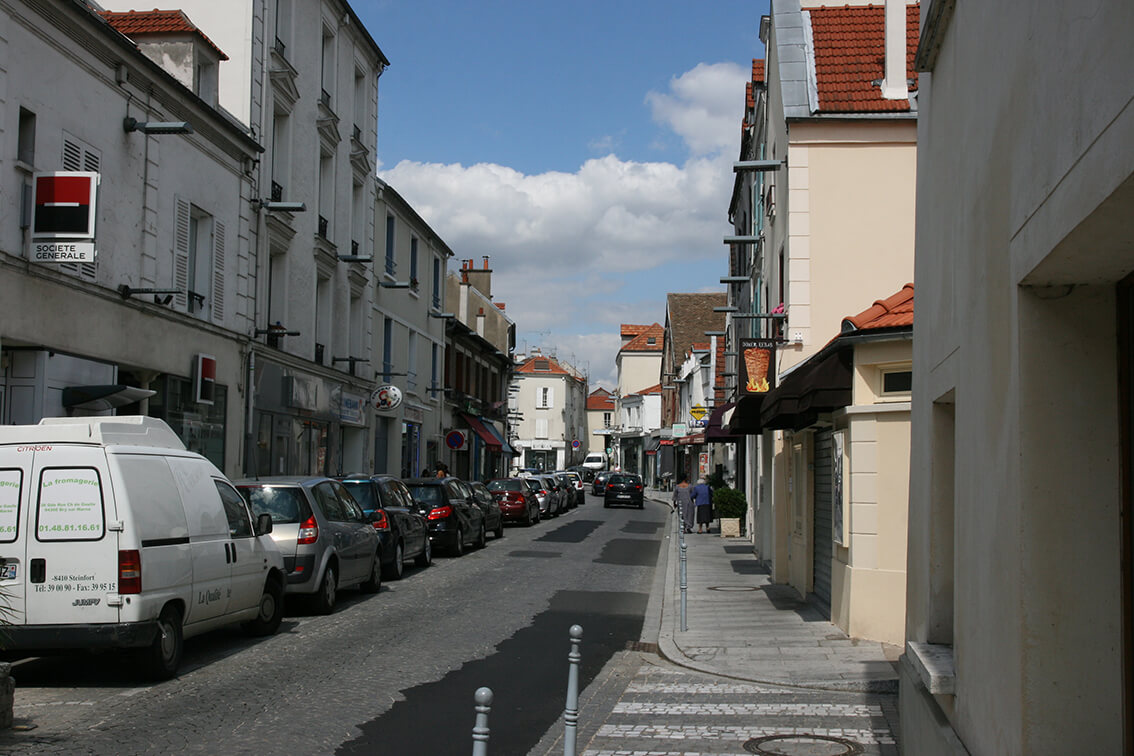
[(163, 657), (325, 598), (271, 610), (397, 568), (373, 584)]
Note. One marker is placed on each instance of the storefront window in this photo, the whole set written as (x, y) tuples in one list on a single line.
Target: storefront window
[(200, 426)]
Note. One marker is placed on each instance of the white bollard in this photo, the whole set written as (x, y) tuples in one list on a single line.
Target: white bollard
[(483, 698)]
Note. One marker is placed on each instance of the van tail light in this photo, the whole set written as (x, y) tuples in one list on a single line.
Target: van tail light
[(379, 520), (130, 571), (440, 513), (308, 531)]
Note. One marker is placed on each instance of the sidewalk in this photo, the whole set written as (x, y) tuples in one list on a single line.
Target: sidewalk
[(743, 626)]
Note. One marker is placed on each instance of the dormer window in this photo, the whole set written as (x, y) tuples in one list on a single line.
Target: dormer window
[(651, 340), (542, 365)]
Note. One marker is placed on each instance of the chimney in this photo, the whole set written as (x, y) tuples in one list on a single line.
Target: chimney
[(480, 278), (894, 81)]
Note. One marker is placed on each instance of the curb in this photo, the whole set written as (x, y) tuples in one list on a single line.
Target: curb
[(671, 652)]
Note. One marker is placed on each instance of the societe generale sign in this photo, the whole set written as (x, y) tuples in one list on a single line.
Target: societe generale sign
[(64, 208)]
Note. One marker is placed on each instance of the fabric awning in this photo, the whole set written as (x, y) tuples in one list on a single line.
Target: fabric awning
[(478, 428), (492, 428), (691, 440), (745, 419), (821, 384), (104, 397), (715, 431)]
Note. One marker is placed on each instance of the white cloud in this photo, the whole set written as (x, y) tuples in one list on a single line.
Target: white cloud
[(568, 248)]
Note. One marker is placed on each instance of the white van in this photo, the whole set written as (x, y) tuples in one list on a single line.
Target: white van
[(113, 535), (595, 461)]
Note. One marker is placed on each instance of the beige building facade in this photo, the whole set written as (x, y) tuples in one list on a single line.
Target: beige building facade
[(1019, 578)]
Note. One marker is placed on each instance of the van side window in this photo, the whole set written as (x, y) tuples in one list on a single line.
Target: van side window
[(327, 500), (69, 506), (11, 492), (236, 510)]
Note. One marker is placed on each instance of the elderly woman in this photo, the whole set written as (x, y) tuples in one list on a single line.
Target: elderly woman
[(683, 502), (702, 497)]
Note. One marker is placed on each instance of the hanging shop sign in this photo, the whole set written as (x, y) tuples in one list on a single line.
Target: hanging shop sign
[(386, 398), (63, 216), (757, 365), (351, 408), (205, 378)]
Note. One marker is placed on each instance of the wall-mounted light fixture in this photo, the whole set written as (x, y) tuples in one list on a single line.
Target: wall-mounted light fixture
[(161, 296), (714, 333), (355, 259), (729, 308), (443, 315), (758, 165), (156, 127), (735, 279), (283, 207), (394, 284)]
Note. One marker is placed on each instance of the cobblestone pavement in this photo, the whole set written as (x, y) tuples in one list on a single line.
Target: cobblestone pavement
[(641, 705)]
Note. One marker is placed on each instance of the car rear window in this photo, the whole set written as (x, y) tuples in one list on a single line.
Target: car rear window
[(363, 493), (284, 503), (621, 480), (505, 485), (427, 496)]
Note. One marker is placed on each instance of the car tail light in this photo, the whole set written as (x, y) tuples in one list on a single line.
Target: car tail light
[(440, 513), (637, 487), (380, 522), (308, 531), (130, 571)]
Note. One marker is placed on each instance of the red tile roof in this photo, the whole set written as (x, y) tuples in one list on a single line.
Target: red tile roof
[(896, 311), (758, 70), (850, 56), (131, 23), (541, 365), (631, 330), (600, 400), (641, 342), (655, 389)]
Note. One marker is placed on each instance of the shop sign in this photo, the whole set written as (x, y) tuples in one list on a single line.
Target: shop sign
[(703, 464), (351, 408), (757, 365), (541, 445), (386, 398), (205, 378), (679, 430), (698, 411), (413, 414), (63, 216)]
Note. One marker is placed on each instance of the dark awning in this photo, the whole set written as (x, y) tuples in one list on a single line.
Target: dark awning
[(475, 425), (104, 397), (715, 432), (494, 430), (821, 384), (745, 419)]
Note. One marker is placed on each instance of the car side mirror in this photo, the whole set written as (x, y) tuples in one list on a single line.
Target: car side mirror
[(263, 524)]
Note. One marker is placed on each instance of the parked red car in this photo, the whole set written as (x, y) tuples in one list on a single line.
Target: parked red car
[(516, 499)]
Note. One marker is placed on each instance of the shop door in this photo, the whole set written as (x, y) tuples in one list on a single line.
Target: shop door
[(1126, 421), (821, 524)]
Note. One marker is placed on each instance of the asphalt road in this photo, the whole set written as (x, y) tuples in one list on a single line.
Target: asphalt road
[(393, 673)]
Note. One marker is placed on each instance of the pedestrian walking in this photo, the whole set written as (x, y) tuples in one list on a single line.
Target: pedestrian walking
[(683, 502), (702, 497)]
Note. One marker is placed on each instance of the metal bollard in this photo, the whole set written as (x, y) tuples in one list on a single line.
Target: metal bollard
[(684, 583), (571, 713), (483, 698)]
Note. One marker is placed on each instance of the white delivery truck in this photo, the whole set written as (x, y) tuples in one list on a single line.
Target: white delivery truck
[(112, 535), (595, 461)]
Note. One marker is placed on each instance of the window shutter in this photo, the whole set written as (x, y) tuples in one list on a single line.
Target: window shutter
[(550, 398), (218, 273), (181, 253), (541, 427), (77, 158)]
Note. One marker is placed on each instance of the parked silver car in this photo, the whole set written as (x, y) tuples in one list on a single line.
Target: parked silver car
[(327, 542)]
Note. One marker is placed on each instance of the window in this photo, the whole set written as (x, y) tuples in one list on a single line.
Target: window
[(606, 419), (236, 510), (391, 260), (433, 372), (542, 365), (329, 502), (546, 398), (326, 194), (437, 301), (413, 261), (411, 353), (387, 348), (323, 318), (70, 505), (279, 155), (328, 67), (25, 149), (198, 262), (11, 491), (897, 381), (283, 25)]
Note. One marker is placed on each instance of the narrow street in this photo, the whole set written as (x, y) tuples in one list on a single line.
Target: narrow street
[(393, 673)]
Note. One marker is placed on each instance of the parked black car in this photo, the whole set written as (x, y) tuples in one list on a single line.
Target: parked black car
[(598, 485), (493, 517), (623, 488), (402, 529), (455, 522), (570, 495)]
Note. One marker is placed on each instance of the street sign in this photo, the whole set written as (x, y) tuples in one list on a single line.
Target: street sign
[(455, 440), (576, 444), (698, 411)]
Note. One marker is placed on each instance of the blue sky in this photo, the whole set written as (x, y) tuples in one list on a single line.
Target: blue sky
[(585, 147)]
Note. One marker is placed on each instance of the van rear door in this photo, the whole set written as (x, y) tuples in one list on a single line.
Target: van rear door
[(71, 554), (15, 474)]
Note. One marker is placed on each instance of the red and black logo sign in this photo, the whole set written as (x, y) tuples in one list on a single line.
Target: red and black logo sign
[(64, 205)]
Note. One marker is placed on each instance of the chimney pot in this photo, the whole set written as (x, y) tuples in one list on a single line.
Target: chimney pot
[(486, 262)]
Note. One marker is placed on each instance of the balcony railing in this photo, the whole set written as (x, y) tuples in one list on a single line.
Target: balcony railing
[(354, 248), (357, 134), (279, 47), (277, 192), (325, 98), (323, 225), (319, 353)]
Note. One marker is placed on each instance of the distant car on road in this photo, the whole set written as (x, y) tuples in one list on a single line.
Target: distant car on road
[(577, 482), (517, 500), (624, 488), (598, 485), (327, 542), (401, 528), (595, 461), (550, 495)]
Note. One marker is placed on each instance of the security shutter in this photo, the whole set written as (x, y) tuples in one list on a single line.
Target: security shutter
[(181, 253), (822, 532), (80, 157)]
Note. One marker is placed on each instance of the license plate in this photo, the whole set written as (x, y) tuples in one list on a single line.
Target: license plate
[(623, 496), (8, 572)]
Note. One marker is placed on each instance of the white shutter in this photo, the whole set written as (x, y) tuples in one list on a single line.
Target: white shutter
[(77, 157), (550, 398), (181, 253), (218, 273), (541, 427)]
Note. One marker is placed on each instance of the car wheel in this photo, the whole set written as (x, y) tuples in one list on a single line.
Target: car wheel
[(606, 505), (499, 533), (373, 584), (482, 539), (397, 568), (641, 505), (271, 610), (325, 598), (163, 657), (459, 546), (425, 558)]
